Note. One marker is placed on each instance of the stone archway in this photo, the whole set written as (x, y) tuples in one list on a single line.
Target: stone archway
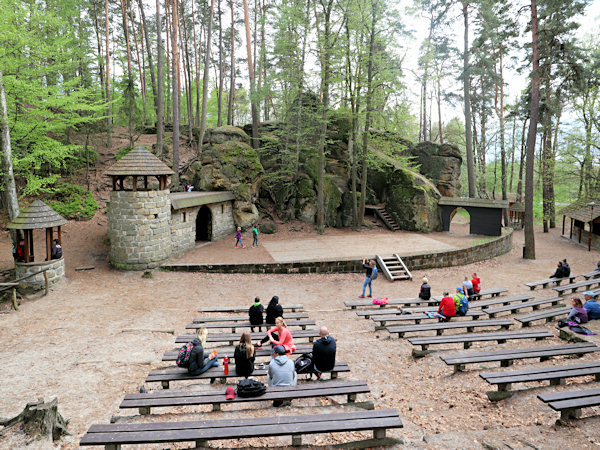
[(204, 224)]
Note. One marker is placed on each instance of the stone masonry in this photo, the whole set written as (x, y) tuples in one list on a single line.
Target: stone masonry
[(139, 228), (222, 220), (183, 230), (55, 273)]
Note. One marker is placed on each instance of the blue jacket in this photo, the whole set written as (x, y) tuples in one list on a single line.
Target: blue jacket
[(593, 309)]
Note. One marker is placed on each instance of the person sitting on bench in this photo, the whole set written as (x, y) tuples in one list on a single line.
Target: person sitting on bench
[(198, 362), (560, 271), (591, 305), (468, 287), (447, 307), (566, 268), (274, 310), (476, 281), (425, 292), (281, 372), (323, 352), (578, 313), (20, 251), (279, 335), (460, 298), (255, 314), (56, 251), (244, 356)]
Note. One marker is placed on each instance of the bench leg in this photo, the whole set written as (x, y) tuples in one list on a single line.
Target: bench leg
[(570, 413), (223, 380), (501, 341), (459, 368), (334, 375), (351, 398), (439, 332), (506, 363), (144, 410), (233, 330), (539, 338), (379, 433), (165, 384), (426, 347), (504, 387), (524, 324), (400, 335), (597, 377), (532, 287), (557, 382), (296, 440), (544, 358), (112, 447), (303, 327), (201, 443), (367, 317), (470, 329), (467, 345), (382, 323), (417, 321), (492, 315), (535, 307), (216, 407), (546, 284), (549, 319), (353, 307)]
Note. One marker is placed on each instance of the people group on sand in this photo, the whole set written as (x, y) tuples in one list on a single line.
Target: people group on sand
[(563, 270)]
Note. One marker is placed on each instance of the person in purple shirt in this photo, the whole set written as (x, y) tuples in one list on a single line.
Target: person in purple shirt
[(591, 305), (238, 238), (578, 313)]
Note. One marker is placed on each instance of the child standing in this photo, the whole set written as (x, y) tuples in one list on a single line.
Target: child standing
[(238, 238), (255, 236)]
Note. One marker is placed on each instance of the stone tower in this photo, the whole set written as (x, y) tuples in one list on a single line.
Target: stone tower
[(139, 211)]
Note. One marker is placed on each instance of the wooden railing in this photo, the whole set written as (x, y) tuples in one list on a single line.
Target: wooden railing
[(14, 284)]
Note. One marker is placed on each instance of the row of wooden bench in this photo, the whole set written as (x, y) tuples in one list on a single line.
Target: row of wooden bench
[(544, 283)]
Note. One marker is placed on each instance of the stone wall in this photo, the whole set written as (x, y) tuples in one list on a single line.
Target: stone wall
[(222, 220), (183, 230), (138, 228), (479, 252), (55, 273)]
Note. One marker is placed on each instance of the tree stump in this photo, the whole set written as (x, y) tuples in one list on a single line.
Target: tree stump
[(39, 419)]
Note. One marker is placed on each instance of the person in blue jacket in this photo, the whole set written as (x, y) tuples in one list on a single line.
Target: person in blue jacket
[(591, 305)]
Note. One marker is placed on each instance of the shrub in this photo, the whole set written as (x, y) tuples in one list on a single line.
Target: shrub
[(73, 202)]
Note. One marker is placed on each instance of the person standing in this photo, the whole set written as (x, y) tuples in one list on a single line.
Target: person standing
[(255, 236), (368, 266), (238, 238)]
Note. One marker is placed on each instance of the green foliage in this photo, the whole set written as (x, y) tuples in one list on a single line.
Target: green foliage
[(73, 202), (122, 152)]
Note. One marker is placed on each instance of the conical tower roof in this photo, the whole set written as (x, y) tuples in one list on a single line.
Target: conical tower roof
[(38, 215), (139, 162)]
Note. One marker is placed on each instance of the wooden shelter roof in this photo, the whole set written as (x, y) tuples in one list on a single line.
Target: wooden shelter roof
[(139, 162), (38, 215), (583, 210)]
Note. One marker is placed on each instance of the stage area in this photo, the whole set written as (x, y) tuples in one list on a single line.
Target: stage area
[(299, 242)]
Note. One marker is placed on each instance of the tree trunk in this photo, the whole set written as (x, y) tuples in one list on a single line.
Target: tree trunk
[(108, 104), (129, 93), (251, 75), (502, 144), (551, 196), (533, 120), (206, 75), (512, 153), (188, 80), (220, 91), (159, 84), (149, 50), (9, 191), (230, 101), (467, 100), (439, 105), (546, 151), (140, 64), (100, 57), (176, 97), (197, 55), (40, 419), (521, 163)]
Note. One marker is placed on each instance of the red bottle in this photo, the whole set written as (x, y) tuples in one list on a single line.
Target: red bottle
[(226, 365)]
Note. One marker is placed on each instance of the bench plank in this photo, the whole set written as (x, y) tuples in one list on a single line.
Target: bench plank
[(439, 327), (237, 309), (534, 304), (418, 317), (592, 274), (548, 314), (235, 325), (258, 352), (244, 318), (233, 338), (575, 286), (493, 292), (353, 304), (543, 373), (533, 284), (468, 339), (160, 432)]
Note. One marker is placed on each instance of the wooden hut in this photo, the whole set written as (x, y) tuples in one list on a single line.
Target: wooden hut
[(582, 213)]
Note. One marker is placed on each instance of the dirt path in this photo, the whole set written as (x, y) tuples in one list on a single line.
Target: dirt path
[(72, 344)]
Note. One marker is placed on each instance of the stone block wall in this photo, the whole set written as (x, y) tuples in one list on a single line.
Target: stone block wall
[(55, 273), (139, 228), (222, 220), (183, 230)]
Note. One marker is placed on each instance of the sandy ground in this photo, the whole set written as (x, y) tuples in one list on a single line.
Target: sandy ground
[(73, 344)]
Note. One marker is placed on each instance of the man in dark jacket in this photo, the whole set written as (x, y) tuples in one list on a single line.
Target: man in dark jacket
[(566, 268), (255, 313), (560, 271), (324, 350)]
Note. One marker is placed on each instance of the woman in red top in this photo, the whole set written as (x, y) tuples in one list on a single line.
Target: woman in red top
[(280, 335), (476, 283), (447, 307)]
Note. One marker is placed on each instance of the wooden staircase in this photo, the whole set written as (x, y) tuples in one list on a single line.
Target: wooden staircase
[(386, 218), (393, 267)]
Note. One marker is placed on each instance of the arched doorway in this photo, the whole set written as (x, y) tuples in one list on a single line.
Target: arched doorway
[(460, 221), (204, 224)]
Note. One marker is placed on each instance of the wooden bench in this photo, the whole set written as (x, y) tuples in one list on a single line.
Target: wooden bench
[(533, 304), (216, 398), (494, 292), (544, 283), (555, 375), (394, 302), (244, 318), (236, 325), (258, 352), (234, 338), (238, 309), (165, 376), (575, 286), (592, 274), (549, 315), (112, 436), (418, 317), (508, 356), (468, 339), (439, 327), (569, 403)]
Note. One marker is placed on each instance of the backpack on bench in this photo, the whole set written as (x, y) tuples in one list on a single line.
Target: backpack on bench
[(304, 363), (250, 388), (183, 358)]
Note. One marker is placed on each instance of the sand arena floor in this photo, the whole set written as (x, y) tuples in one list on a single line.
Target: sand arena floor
[(74, 344)]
